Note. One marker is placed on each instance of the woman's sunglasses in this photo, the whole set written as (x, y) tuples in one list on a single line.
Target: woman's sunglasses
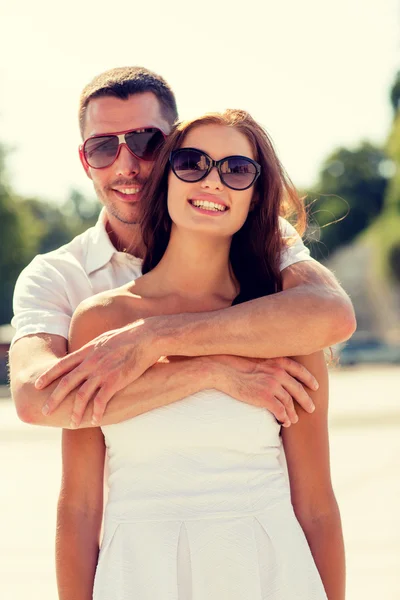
[(101, 151), (236, 172)]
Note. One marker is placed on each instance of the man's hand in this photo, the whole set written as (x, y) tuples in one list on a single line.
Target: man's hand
[(274, 384), (111, 361), (101, 368)]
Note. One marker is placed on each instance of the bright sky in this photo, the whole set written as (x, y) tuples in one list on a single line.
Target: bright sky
[(315, 73)]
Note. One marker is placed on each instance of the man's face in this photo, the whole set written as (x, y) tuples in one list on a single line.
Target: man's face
[(119, 186)]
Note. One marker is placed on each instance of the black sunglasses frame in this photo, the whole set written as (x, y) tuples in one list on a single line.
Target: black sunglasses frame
[(215, 163), (121, 136)]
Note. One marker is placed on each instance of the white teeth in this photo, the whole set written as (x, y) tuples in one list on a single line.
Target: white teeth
[(209, 205), (129, 190)]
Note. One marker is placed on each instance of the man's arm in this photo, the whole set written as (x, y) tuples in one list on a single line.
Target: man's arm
[(160, 385), (271, 384), (311, 313)]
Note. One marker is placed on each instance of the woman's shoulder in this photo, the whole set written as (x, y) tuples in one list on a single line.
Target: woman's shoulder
[(106, 311)]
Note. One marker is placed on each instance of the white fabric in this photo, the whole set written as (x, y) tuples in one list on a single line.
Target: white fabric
[(199, 508), (50, 288)]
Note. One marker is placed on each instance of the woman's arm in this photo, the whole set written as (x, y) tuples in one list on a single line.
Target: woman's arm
[(80, 505), (79, 514), (307, 453)]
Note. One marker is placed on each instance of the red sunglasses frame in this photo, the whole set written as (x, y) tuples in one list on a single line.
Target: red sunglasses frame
[(122, 142)]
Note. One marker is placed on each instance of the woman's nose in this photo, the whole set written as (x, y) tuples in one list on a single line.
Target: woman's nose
[(213, 180)]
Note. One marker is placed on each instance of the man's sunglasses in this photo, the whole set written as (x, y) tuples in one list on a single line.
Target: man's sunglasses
[(236, 172), (100, 151)]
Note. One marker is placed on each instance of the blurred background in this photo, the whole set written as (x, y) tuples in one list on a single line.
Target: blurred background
[(323, 78)]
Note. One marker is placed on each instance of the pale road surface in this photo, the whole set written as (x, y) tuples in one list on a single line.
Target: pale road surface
[(365, 449)]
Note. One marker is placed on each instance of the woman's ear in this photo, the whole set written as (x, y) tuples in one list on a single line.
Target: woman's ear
[(254, 201)]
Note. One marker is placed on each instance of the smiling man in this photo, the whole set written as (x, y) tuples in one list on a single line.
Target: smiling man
[(118, 186), (124, 114)]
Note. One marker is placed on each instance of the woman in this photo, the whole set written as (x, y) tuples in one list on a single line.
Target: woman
[(199, 507)]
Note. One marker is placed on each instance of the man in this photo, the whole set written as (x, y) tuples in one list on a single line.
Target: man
[(117, 376)]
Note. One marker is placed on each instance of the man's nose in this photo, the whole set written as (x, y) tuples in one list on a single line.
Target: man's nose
[(126, 163), (213, 180)]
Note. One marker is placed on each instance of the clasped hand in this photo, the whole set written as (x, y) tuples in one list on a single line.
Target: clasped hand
[(113, 360)]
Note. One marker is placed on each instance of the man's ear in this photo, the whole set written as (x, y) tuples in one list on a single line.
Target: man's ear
[(83, 162)]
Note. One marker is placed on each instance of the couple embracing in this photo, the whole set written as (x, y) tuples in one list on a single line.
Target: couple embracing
[(195, 322)]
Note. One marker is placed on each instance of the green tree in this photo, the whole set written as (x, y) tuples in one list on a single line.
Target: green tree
[(385, 232), (395, 94), (19, 237), (80, 211), (349, 195), (29, 226)]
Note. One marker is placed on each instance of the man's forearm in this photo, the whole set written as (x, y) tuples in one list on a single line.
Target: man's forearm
[(162, 384), (298, 321)]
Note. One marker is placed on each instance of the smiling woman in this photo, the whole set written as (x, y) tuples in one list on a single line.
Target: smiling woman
[(223, 165), (198, 492)]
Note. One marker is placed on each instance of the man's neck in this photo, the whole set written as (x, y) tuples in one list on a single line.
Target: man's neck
[(126, 237)]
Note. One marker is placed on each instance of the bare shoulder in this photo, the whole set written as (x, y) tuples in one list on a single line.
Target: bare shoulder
[(103, 312)]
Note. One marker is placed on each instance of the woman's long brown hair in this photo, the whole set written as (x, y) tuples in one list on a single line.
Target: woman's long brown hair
[(256, 248)]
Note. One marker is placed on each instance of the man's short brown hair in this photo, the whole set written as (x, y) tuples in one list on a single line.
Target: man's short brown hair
[(123, 82)]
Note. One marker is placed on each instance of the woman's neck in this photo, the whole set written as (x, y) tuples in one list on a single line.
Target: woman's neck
[(195, 265)]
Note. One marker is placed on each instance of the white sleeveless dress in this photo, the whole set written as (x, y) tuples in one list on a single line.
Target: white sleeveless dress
[(199, 508)]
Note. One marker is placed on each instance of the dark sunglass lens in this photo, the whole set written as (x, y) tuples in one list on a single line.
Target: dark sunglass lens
[(145, 144), (101, 151), (189, 165), (238, 173)]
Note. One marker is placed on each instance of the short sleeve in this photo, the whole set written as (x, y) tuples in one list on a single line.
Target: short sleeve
[(295, 251), (40, 302)]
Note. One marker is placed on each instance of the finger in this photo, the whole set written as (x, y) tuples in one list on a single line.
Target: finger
[(101, 400), (299, 371), (277, 408), (82, 397), (288, 403), (298, 393), (60, 368), (65, 386)]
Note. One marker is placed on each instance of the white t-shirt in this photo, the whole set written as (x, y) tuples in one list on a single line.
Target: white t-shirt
[(51, 287)]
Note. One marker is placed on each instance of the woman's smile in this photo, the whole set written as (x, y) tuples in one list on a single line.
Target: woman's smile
[(208, 204)]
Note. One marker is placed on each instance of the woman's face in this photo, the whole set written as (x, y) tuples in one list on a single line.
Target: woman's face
[(218, 141)]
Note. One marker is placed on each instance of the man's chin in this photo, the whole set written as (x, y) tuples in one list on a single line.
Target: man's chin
[(127, 214)]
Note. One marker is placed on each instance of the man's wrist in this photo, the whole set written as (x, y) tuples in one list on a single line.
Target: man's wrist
[(215, 374), (167, 334)]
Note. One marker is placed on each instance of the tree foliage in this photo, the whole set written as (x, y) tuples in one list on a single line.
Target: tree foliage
[(29, 226), (19, 239), (349, 195), (395, 94)]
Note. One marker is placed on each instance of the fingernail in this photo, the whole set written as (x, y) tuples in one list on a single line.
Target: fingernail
[(45, 410), (316, 384), (312, 407), (72, 424), (94, 421), (38, 383)]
